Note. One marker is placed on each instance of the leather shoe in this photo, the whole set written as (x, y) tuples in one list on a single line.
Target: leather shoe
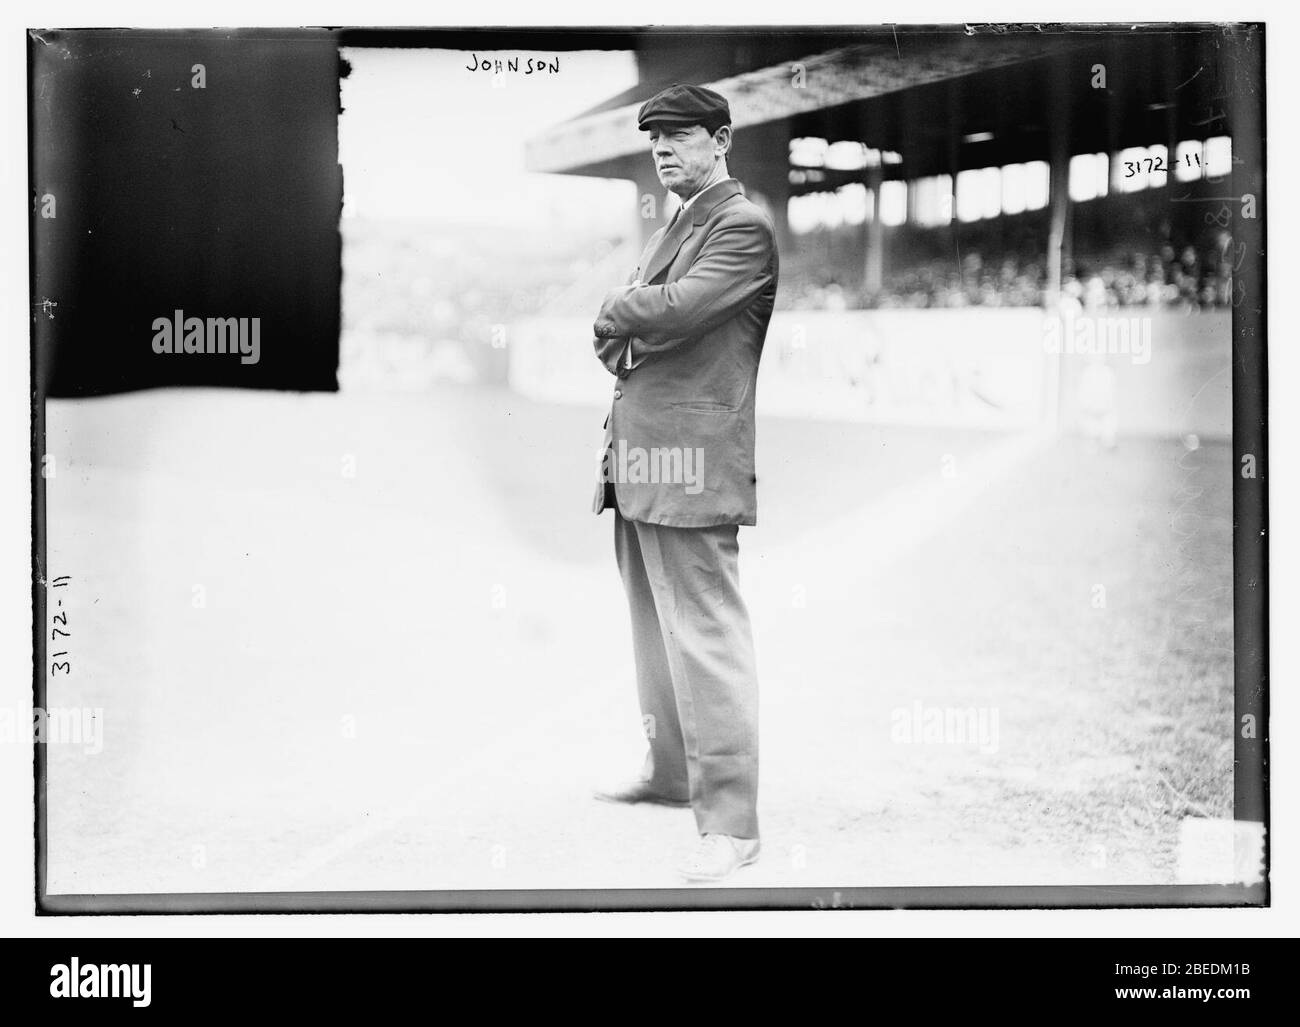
[(718, 856), (639, 791)]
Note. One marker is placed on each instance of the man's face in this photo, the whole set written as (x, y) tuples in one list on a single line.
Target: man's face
[(684, 156)]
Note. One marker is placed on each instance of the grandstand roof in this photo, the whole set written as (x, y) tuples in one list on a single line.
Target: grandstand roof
[(945, 99)]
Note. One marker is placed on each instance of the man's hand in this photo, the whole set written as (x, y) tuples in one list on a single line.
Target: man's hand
[(611, 347), (609, 351)]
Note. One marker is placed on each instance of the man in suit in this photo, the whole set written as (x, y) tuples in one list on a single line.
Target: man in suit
[(683, 338)]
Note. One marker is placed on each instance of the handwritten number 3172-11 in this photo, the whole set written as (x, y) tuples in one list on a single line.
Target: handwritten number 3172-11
[(60, 617)]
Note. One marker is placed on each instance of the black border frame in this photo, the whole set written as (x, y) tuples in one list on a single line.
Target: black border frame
[(1250, 565)]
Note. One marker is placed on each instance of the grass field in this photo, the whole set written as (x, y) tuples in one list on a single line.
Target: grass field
[(373, 642)]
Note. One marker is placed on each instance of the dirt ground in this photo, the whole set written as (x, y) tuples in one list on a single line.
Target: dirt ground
[(363, 642)]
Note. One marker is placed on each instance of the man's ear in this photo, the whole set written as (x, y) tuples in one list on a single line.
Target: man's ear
[(722, 139)]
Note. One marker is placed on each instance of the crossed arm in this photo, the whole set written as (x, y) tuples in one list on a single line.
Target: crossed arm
[(730, 272)]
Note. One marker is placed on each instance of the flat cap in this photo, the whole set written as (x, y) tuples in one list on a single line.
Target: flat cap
[(685, 105)]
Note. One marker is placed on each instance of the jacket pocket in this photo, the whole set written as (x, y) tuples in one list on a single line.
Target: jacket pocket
[(704, 406)]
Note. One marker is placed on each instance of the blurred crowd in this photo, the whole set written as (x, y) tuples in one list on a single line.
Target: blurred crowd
[(1186, 278), (438, 302)]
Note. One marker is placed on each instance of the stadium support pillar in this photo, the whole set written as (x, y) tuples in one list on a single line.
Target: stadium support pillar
[(1059, 216), (654, 204), (1059, 183), (873, 279), (1171, 118), (760, 159), (955, 111)]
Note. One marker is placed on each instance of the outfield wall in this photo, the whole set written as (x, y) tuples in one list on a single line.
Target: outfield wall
[(1181, 385), (1162, 372)]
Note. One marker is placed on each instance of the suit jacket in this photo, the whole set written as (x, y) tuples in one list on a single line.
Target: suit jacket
[(695, 317)]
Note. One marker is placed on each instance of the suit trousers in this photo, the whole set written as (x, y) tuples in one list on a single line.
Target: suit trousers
[(695, 669)]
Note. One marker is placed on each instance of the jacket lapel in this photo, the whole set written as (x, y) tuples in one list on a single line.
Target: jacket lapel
[(648, 251), (674, 239), (668, 246)]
